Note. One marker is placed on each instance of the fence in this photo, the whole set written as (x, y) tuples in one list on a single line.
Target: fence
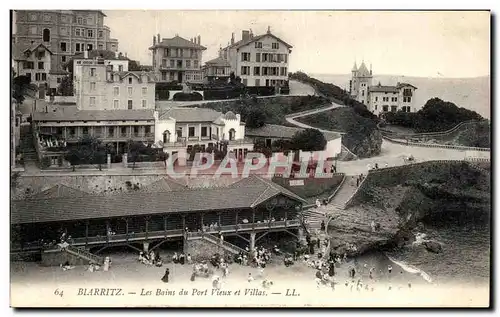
[(454, 147), (427, 134)]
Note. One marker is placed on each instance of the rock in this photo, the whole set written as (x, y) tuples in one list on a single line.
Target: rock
[(432, 246)]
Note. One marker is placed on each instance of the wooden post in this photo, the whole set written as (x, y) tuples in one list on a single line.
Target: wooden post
[(286, 218), (183, 222), (86, 233), (107, 231), (236, 221), (253, 218), (202, 223), (220, 224), (126, 229), (147, 222), (165, 225)]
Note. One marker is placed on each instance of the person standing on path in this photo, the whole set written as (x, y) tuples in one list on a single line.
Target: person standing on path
[(165, 276)]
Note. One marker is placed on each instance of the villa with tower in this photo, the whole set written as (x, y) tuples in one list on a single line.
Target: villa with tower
[(380, 99)]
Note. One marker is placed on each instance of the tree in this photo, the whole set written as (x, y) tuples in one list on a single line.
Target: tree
[(66, 87), (308, 140), (135, 149), (45, 162), (88, 150), (255, 119), (134, 65)]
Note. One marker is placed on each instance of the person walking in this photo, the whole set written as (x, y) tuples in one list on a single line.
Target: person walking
[(165, 276)]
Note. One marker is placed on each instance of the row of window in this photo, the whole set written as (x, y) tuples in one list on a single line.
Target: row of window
[(116, 103), (38, 76), (180, 64), (274, 46), (116, 90), (179, 52), (31, 65), (266, 71), (265, 57), (89, 20), (98, 130), (268, 83), (385, 108), (191, 76), (90, 33), (64, 31), (386, 99), (406, 99)]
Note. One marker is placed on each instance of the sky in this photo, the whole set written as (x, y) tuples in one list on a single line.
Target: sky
[(425, 44)]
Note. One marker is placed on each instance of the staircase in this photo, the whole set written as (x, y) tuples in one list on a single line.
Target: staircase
[(214, 240), (346, 154), (27, 147), (84, 254)]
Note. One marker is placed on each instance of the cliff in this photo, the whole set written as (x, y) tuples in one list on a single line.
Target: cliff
[(400, 199)]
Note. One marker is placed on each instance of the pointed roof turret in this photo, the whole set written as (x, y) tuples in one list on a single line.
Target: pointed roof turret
[(363, 71), (355, 67)]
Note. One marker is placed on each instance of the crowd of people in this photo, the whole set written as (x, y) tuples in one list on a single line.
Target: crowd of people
[(150, 259), (50, 142)]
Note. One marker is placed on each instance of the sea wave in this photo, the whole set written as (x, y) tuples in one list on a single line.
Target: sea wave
[(410, 268)]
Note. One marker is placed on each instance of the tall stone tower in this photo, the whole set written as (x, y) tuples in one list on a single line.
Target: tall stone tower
[(361, 82)]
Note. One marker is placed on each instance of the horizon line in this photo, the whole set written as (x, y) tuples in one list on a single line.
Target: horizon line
[(393, 75)]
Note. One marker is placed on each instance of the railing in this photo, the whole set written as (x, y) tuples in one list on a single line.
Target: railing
[(337, 189), (349, 151), (193, 138), (427, 134), (455, 147), (240, 142), (84, 254)]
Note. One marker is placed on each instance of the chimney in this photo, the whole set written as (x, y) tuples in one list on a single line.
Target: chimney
[(159, 40), (199, 40), (154, 40), (85, 54), (268, 30), (251, 34), (245, 35), (220, 51), (232, 38)]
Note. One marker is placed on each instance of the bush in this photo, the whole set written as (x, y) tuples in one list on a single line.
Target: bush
[(308, 140), (182, 96), (45, 162)]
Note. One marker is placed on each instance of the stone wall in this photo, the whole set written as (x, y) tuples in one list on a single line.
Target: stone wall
[(312, 186), (201, 249), (57, 258)]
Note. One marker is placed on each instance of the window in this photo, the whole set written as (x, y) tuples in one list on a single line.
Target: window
[(362, 92), (144, 91), (129, 89), (115, 104), (406, 99), (179, 63), (33, 17), (100, 47), (385, 108), (79, 20), (245, 81), (63, 31), (90, 47), (92, 86), (37, 77), (111, 130), (265, 57), (245, 70), (46, 35), (245, 57), (275, 46), (90, 33), (63, 19), (147, 129), (90, 21), (188, 64), (144, 103), (129, 104), (376, 99), (63, 46), (394, 108), (258, 44), (29, 65), (33, 30), (256, 71), (196, 64), (44, 76), (282, 71), (172, 63), (257, 82), (191, 131), (46, 17), (77, 47), (130, 81), (40, 65), (92, 72), (72, 131), (58, 80), (78, 32), (92, 101), (375, 107), (204, 131), (120, 68), (257, 57)]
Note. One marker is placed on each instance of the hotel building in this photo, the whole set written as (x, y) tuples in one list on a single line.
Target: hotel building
[(260, 60)]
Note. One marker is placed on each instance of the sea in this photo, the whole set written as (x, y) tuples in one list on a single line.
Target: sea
[(470, 93)]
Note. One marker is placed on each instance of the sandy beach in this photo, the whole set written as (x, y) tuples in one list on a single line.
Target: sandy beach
[(294, 286)]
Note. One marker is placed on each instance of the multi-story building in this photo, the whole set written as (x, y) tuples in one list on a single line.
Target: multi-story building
[(379, 99), (179, 129), (217, 69), (64, 32), (260, 60), (99, 87), (177, 59), (33, 62)]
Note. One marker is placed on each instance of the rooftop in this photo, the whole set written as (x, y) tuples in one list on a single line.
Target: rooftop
[(246, 193), (380, 88), (282, 132), (178, 41), (18, 50), (241, 43), (185, 114), (219, 61), (72, 114)]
